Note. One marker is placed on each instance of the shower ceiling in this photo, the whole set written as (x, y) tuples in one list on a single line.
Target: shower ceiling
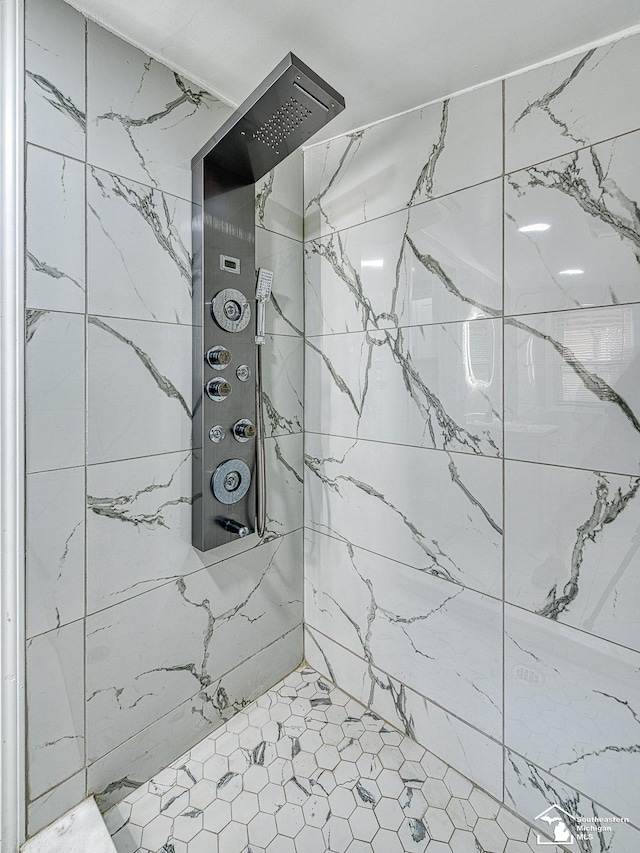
[(385, 56)]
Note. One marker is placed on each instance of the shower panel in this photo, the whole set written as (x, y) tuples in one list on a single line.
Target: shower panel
[(290, 106)]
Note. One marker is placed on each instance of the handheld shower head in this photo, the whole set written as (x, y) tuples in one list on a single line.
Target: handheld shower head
[(263, 293), (264, 284)]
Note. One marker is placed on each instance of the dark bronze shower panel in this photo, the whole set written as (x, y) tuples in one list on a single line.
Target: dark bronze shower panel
[(290, 106)]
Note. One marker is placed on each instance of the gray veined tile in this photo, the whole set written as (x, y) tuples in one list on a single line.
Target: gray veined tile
[(55, 549), (530, 791), (460, 745), (572, 395), (429, 386), (283, 256), (402, 161), (190, 626), (279, 198), (570, 707), (139, 250), (139, 520), (437, 262), (373, 495), (145, 121), (573, 550), (55, 748), (55, 275), (572, 103), (55, 76), (54, 390), (588, 201), (433, 636), (283, 384), (139, 379), (110, 778)]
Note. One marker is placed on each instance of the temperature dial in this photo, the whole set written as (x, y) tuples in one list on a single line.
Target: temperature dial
[(218, 357), (243, 430), (217, 389)]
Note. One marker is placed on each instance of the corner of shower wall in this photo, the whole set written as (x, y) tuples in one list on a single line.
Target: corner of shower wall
[(468, 565), (137, 644)]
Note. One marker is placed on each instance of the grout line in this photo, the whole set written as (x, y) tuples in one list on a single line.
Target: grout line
[(449, 713)]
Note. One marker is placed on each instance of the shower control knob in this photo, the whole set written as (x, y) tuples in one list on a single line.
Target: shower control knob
[(217, 389), (217, 433), (243, 372), (234, 526), (218, 357), (243, 430)]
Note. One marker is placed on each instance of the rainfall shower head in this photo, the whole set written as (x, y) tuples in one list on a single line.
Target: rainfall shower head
[(288, 107)]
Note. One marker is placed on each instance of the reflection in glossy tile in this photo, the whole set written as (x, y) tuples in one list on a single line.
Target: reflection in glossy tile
[(437, 262), (56, 729), (55, 78), (431, 386), (572, 395), (573, 549), (279, 198), (55, 232), (572, 103), (569, 707), (145, 121), (150, 412), (530, 791), (191, 637), (137, 238), (55, 390), (402, 161), (374, 496), (420, 629), (590, 201), (55, 549), (283, 256)]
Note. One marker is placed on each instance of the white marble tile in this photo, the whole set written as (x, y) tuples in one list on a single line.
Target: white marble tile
[(438, 261), (530, 791), (374, 496), (139, 379), (572, 103), (139, 251), (429, 386), (463, 747), (55, 390), (55, 232), (55, 549), (55, 76), (139, 520), (404, 160), (572, 395), (441, 640), (569, 707), (144, 121), (55, 743), (283, 256), (283, 384), (573, 550), (279, 198), (191, 636), (589, 201), (57, 801), (111, 778), (79, 830)]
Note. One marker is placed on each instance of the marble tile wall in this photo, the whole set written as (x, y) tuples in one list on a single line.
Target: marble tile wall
[(472, 431), (138, 644)]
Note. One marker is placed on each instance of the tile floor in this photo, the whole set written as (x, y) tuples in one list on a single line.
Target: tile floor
[(307, 769)]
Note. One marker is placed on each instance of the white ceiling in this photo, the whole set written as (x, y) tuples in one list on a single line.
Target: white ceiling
[(384, 56)]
